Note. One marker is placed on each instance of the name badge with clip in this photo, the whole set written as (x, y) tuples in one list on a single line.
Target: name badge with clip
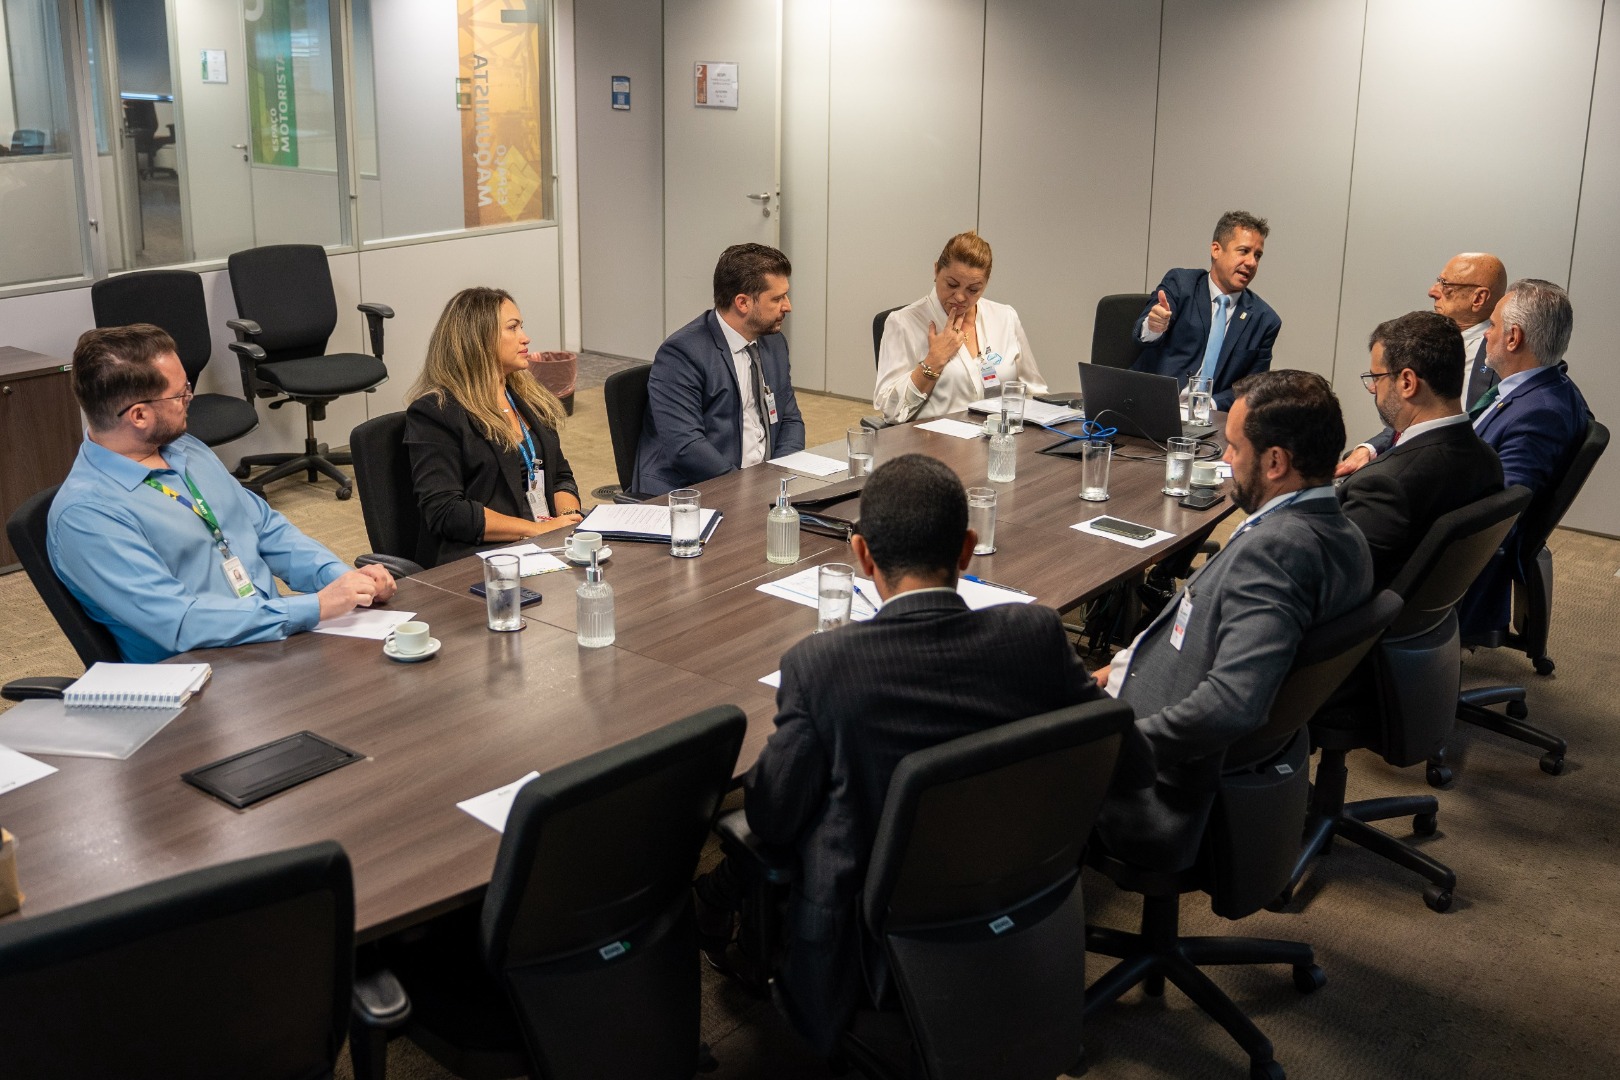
[(1178, 631), (770, 405), (237, 576), (987, 370), (537, 496)]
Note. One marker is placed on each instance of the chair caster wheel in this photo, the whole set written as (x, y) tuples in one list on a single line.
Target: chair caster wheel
[(1544, 665), (1439, 776), (1266, 1070), (242, 472), (1424, 824), (1308, 979), (1552, 764), (1282, 900), (1438, 899), (345, 492), (1517, 709)]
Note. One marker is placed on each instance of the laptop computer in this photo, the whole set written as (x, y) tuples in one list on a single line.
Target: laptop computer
[(1136, 403)]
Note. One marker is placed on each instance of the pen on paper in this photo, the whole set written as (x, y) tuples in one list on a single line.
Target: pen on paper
[(995, 585), (864, 597)]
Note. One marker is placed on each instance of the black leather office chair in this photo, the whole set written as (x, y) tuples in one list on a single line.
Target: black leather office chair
[(288, 310), (140, 120), (879, 321), (971, 896), (1248, 851), (241, 970), (1403, 707), (625, 397), (382, 469), (584, 960), (173, 300), (1532, 616), (1111, 342)]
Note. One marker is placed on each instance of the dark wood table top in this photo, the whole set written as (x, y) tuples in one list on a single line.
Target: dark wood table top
[(489, 707)]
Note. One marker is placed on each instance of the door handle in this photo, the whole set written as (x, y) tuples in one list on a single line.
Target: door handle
[(763, 196), (242, 146)]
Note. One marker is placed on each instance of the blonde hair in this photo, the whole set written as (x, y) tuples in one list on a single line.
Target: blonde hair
[(461, 362), (969, 249)]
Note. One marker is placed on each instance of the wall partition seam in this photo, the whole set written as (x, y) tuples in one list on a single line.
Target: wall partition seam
[(76, 67), (1153, 156), (1349, 201), (348, 187), (1586, 148)]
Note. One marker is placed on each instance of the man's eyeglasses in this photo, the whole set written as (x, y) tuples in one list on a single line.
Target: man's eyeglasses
[(1369, 379), (184, 396), (1447, 286)]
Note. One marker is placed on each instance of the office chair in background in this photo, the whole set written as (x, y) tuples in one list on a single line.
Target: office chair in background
[(28, 141), (624, 395), (239, 970), (173, 300), (1111, 342), (584, 958), (288, 310), (140, 120), (879, 322), (382, 469)]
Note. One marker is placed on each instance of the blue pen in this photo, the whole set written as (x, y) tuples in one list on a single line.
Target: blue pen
[(863, 596), (995, 585)]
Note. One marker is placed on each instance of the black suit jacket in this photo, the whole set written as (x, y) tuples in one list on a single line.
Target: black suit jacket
[(1179, 352), (1397, 497), (852, 703), (457, 472)]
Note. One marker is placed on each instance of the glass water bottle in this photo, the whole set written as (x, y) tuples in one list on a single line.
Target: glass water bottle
[(1003, 454), (782, 530), (594, 610)]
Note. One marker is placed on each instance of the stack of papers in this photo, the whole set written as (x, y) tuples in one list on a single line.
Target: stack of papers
[(803, 461), (372, 623), (640, 521), (956, 428), (531, 559), (1035, 412), (801, 589)]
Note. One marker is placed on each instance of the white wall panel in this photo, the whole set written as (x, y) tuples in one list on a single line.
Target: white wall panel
[(1592, 278), (39, 220), (1470, 137), (418, 127), (806, 71), (1257, 111), (903, 162), (1067, 163), (48, 323)]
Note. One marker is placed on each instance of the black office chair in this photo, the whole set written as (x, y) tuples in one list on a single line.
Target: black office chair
[(1248, 850), (240, 970), (140, 120), (584, 960), (625, 397), (28, 141), (1112, 344), (173, 300), (288, 311), (382, 469), (1403, 711), (879, 321), (1532, 616), (970, 895)]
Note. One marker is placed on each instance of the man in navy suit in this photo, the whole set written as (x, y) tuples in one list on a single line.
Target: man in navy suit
[(1208, 323), (1535, 421), (720, 396)]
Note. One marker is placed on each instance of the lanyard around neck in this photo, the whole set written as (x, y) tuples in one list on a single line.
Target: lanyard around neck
[(531, 456), (196, 504)]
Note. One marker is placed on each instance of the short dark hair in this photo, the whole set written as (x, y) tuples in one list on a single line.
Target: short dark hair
[(115, 366), (914, 517), (1427, 343), (1298, 412), (1233, 220), (741, 271)]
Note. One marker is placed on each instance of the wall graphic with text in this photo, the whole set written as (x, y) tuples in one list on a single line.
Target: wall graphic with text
[(272, 96), (503, 61)]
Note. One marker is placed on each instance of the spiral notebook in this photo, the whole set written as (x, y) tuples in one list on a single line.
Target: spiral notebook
[(136, 686)]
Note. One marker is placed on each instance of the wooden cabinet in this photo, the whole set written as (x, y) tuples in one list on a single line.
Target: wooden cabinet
[(40, 429)]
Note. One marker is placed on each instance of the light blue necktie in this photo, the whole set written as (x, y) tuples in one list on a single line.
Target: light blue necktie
[(1217, 335)]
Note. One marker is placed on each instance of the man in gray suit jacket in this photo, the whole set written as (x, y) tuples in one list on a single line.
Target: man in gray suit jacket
[(856, 700), (720, 395), (1205, 671)]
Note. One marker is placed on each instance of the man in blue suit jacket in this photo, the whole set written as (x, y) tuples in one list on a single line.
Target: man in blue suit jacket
[(1175, 326), (1535, 423), (720, 396)]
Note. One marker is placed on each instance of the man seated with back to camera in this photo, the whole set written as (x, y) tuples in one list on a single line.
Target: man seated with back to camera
[(856, 700), (1205, 671), (155, 538)]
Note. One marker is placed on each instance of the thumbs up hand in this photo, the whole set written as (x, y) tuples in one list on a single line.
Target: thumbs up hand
[(1158, 319)]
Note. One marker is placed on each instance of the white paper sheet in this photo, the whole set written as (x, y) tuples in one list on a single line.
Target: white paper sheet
[(644, 519), (1159, 535), (803, 461), (982, 594), (773, 679), (364, 622), (19, 769), (532, 560), (801, 589), (956, 428), (1035, 412), (494, 807)]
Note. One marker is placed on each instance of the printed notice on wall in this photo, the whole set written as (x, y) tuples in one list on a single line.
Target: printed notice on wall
[(621, 93), (503, 147), (716, 85), (213, 66)]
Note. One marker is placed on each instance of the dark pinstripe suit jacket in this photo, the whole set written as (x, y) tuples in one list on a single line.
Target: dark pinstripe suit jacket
[(852, 703)]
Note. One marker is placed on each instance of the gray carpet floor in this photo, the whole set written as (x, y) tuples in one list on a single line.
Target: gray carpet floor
[(1520, 979)]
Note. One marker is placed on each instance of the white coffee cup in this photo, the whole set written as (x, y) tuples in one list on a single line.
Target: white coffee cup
[(1206, 474), (409, 638), (581, 544)]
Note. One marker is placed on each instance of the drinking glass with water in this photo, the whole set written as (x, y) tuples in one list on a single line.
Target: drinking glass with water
[(1178, 463), (685, 523), (502, 592), (982, 519), (1013, 396), (1200, 399), (835, 589), (862, 447)]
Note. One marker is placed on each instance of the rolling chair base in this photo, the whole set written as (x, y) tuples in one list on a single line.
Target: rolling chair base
[(1473, 708), (316, 461)]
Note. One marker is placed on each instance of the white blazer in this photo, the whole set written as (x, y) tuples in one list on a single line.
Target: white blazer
[(905, 342)]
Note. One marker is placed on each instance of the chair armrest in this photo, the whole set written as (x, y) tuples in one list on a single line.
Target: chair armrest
[(375, 314), (378, 1007), (382, 311), (248, 357), (400, 568), (245, 328), (36, 686), (778, 866)]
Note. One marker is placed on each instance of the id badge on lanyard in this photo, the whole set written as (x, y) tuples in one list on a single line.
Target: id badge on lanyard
[(236, 575), (1178, 630), (537, 495), (770, 404), (987, 369)]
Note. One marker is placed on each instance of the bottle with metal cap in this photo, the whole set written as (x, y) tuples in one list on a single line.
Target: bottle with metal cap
[(782, 530), (594, 610)]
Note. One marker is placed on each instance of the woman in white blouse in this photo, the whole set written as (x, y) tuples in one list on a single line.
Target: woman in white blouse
[(952, 347)]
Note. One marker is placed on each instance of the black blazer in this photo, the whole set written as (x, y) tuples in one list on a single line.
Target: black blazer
[(852, 703), (457, 472), (1397, 497)]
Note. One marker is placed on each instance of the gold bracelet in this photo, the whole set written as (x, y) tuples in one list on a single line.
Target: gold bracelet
[(928, 372)]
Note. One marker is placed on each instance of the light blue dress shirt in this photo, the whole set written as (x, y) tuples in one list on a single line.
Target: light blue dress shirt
[(147, 568)]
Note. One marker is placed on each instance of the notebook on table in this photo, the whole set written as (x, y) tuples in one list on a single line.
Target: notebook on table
[(641, 522)]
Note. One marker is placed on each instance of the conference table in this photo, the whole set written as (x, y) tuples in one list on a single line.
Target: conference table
[(491, 706)]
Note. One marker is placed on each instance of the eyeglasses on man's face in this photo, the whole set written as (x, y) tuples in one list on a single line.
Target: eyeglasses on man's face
[(184, 396), (1447, 286), (1369, 379)]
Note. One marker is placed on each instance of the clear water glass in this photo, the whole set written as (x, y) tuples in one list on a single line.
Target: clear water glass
[(835, 588), (502, 592), (1178, 464), (862, 444), (1200, 399), (685, 523), (1013, 395), (982, 518), (1095, 458)]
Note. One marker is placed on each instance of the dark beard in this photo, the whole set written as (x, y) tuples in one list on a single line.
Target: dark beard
[(1246, 494)]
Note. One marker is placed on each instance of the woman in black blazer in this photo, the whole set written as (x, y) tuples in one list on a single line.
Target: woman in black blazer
[(482, 434)]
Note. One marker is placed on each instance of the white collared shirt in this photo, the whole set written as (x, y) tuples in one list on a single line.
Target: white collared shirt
[(1504, 390), (1149, 336), (754, 444), (905, 342), (1429, 425)]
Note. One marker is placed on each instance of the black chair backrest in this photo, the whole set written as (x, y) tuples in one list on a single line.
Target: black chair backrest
[(1550, 505), (1111, 341), (241, 970), (880, 320), (287, 290), (1457, 547), (26, 531), (382, 471), (171, 299), (625, 397), (28, 141)]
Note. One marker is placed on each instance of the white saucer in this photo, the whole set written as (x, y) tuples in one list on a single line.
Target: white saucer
[(413, 658), (603, 554)]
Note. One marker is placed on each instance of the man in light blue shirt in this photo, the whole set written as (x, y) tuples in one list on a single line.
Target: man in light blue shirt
[(155, 538)]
